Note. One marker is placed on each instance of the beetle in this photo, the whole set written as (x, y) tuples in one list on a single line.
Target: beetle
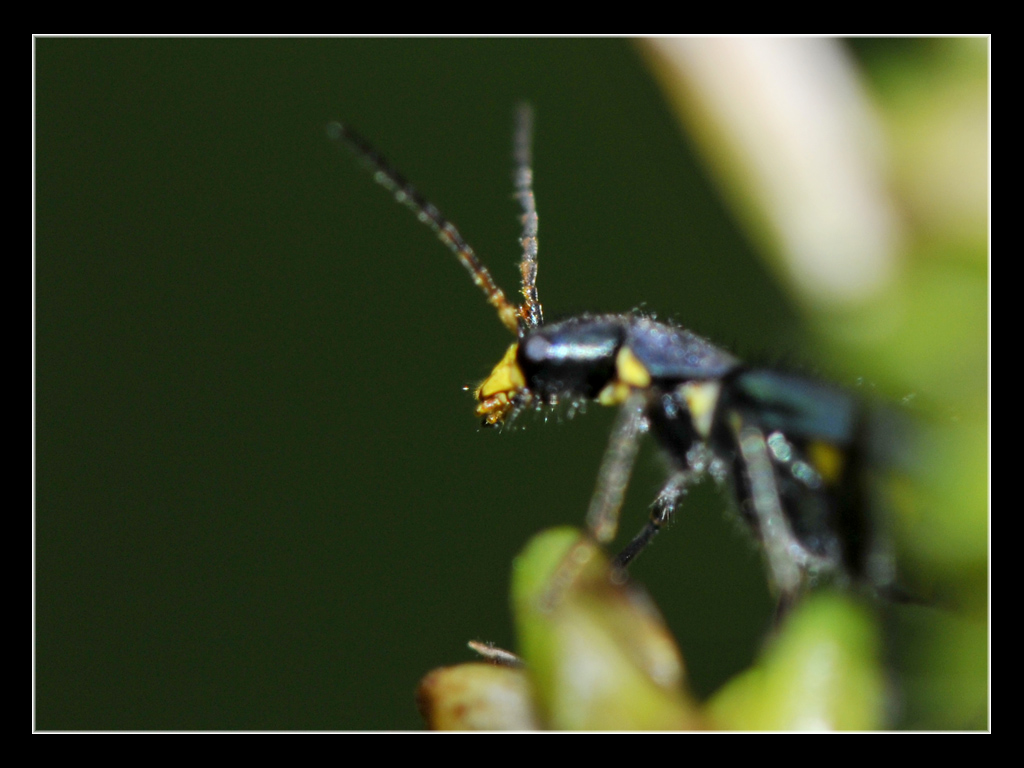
[(792, 450)]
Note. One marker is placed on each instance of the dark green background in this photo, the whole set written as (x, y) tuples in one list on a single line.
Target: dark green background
[(262, 499)]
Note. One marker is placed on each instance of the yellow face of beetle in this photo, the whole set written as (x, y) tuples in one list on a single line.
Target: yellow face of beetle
[(496, 394)]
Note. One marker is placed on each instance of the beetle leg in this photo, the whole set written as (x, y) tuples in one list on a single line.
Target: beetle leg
[(780, 544), (616, 467), (661, 513)]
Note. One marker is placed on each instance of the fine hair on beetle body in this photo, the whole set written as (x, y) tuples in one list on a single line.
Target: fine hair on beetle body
[(792, 450)]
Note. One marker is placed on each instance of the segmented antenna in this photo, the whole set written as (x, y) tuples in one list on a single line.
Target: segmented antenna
[(406, 194), (531, 311)]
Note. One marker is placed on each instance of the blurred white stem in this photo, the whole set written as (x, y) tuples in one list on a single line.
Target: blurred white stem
[(792, 133)]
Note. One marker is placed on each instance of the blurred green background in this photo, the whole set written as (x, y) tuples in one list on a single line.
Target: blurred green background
[(262, 499)]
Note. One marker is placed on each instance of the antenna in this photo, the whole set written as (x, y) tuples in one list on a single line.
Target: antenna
[(405, 193), (531, 311)]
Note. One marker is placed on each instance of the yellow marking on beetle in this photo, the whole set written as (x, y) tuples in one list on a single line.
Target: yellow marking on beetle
[(630, 374), (630, 370), (827, 459), (701, 400), (495, 393), (614, 393)]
